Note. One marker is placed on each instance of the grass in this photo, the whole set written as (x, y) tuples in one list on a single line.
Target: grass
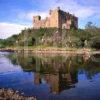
[(47, 48)]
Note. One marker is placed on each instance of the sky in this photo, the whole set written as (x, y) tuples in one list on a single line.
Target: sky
[(15, 15)]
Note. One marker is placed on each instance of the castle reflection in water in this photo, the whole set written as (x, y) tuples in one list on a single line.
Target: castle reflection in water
[(60, 72)]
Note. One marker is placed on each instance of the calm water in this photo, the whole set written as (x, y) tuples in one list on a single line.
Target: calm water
[(49, 77)]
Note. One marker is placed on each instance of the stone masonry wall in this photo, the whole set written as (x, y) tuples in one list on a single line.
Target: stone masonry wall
[(57, 19)]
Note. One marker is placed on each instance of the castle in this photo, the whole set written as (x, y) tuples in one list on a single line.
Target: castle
[(57, 19)]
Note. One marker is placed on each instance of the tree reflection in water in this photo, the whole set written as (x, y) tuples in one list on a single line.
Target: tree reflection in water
[(60, 72)]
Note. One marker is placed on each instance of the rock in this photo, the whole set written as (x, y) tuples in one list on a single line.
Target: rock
[(9, 94)]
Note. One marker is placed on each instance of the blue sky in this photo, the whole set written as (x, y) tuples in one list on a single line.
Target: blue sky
[(15, 15)]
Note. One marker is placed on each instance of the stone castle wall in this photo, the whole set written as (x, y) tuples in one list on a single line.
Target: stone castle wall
[(57, 19)]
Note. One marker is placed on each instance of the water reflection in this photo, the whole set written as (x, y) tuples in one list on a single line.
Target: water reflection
[(60, 72)]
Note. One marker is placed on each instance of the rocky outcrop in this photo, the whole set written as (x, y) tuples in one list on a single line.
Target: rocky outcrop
[(9, 94)]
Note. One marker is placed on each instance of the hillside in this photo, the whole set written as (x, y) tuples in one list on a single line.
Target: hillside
[(55, 37)]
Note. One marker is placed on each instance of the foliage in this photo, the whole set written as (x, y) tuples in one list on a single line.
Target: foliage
[(74, 38)]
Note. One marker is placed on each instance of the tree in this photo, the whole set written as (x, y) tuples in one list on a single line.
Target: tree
[(90, 25)]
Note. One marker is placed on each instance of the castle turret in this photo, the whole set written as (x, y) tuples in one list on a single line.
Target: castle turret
[(36, 18)]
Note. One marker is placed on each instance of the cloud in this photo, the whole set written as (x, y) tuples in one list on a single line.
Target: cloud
[(84, 13), (89, 2), (8, 29), (81, 11), (72, 6), (81, 8), (29, 15)]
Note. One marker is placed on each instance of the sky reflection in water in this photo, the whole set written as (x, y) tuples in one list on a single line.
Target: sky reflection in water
[(69, 77)]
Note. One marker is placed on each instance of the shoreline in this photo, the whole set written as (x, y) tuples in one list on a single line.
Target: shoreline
[(52, 50), (9, 94)]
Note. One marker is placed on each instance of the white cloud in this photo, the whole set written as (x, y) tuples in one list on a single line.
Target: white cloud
[(90, 2), (84, 13), (42, 14), (81, 11), (72, 6), (8, 29), (29, 15)]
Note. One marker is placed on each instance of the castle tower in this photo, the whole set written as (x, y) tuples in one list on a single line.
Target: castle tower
[(54, 18), (36, 20)]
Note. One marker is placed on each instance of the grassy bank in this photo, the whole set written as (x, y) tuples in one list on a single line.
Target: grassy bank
[(47, 49)]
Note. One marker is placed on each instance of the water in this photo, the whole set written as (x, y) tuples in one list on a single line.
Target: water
[(52, 77)]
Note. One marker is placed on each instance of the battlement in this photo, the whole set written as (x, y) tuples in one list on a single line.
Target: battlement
[(58, 19)]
